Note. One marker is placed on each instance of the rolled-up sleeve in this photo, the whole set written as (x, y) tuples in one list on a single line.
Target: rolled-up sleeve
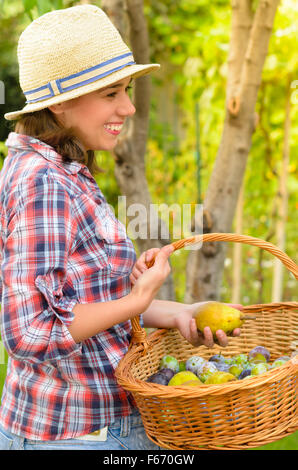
[(38, 298)]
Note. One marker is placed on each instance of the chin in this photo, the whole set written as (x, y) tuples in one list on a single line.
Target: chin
[(110, 146)]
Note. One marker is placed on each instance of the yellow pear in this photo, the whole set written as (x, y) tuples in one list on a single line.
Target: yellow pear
[(192, 383), (219, 316), (220, 378), (181, 377)]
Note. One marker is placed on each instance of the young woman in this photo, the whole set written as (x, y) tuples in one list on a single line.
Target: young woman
[(69, 278)]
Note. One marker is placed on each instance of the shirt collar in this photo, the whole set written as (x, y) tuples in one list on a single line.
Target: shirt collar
[(27, 143)]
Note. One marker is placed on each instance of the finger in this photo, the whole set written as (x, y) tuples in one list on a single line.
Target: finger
[(136, 272), (142, 267), (193, 331), (237, 332), (149, 255), (237, 306), (164, 253), (208, 337), (222, 338)]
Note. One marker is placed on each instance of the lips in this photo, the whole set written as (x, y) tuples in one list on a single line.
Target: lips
[(113, 128)]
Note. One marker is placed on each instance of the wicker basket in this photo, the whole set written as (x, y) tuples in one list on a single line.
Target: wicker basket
[(235, 415)]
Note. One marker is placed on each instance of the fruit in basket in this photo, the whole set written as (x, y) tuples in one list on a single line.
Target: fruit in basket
[(219, 316), (192, 383), (259, 354), (240, 359), (193, 363), (169, 373), (169, 362), (222, 366), (205, 370), (219, 378), (244, 373), (235, 369), (158, 378), (217, 359), (259, 368), (181, 377), (279, 362), (182, 366)]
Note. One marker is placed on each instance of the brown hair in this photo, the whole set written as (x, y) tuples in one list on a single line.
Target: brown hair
[(44, 126)]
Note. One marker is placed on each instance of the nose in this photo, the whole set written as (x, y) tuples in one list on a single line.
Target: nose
[(126, 108)]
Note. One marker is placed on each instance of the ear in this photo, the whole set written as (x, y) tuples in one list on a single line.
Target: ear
[(57, 108)]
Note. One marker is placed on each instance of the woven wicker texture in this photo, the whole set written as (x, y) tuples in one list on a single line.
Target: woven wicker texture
[(236, 415)]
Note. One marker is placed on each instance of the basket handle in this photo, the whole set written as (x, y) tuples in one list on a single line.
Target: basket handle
[(138, 332)]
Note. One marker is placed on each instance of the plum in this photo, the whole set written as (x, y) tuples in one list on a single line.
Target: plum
[(167, 372), (169, 362), (235, 369), (217, 358), (193, 363), (222, 366), (244, 373), (205, 370), (158, 378), (259, 368), (279, 362), (240, 359), (259, 354)]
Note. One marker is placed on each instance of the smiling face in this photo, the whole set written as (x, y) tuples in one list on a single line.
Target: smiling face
[(97, 117)]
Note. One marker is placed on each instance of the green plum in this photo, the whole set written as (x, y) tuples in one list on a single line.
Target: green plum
[(205, 370), (279, 362), (235, 369), (259, 354), (240, 359), (228, 361), (259, 368), (169, 362), (182, 366)]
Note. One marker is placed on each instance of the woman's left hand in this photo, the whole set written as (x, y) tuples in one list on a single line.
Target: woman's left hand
[(140, 266), (186, 324)]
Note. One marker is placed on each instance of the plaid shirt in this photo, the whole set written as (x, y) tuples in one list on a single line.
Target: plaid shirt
[(60, 245)]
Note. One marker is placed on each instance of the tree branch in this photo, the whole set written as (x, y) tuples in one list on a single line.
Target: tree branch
[(242, 19)]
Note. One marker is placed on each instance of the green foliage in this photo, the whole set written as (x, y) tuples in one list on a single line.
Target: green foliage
[(190, 39)]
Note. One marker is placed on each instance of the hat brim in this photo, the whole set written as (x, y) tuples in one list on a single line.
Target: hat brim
[(134, 71)]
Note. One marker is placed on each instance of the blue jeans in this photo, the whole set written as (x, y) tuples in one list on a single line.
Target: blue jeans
[(126, 433)]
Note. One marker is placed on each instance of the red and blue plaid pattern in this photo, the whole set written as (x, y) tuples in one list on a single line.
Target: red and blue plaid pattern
[(60, 245)]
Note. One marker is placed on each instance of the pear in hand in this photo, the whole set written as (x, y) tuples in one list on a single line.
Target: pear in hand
[(219, 316)]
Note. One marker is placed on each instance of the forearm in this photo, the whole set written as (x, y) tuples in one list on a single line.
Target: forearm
[(92, 318), (163, 313)]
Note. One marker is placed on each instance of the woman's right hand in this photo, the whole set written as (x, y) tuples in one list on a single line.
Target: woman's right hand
[(151, 279)]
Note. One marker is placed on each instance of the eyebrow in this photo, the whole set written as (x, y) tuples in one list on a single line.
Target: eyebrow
[(117, 85)]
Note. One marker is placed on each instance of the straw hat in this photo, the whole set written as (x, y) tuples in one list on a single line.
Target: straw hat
[(68, 53)]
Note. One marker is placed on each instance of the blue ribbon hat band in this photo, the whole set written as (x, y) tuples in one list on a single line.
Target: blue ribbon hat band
[(61, 85)]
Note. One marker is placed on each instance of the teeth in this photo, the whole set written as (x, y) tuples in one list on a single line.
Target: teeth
[(113, 127)]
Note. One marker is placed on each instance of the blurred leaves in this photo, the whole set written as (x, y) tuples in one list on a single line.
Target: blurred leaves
[(190, 39)]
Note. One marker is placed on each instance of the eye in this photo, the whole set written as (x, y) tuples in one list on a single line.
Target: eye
[(114, 93)]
